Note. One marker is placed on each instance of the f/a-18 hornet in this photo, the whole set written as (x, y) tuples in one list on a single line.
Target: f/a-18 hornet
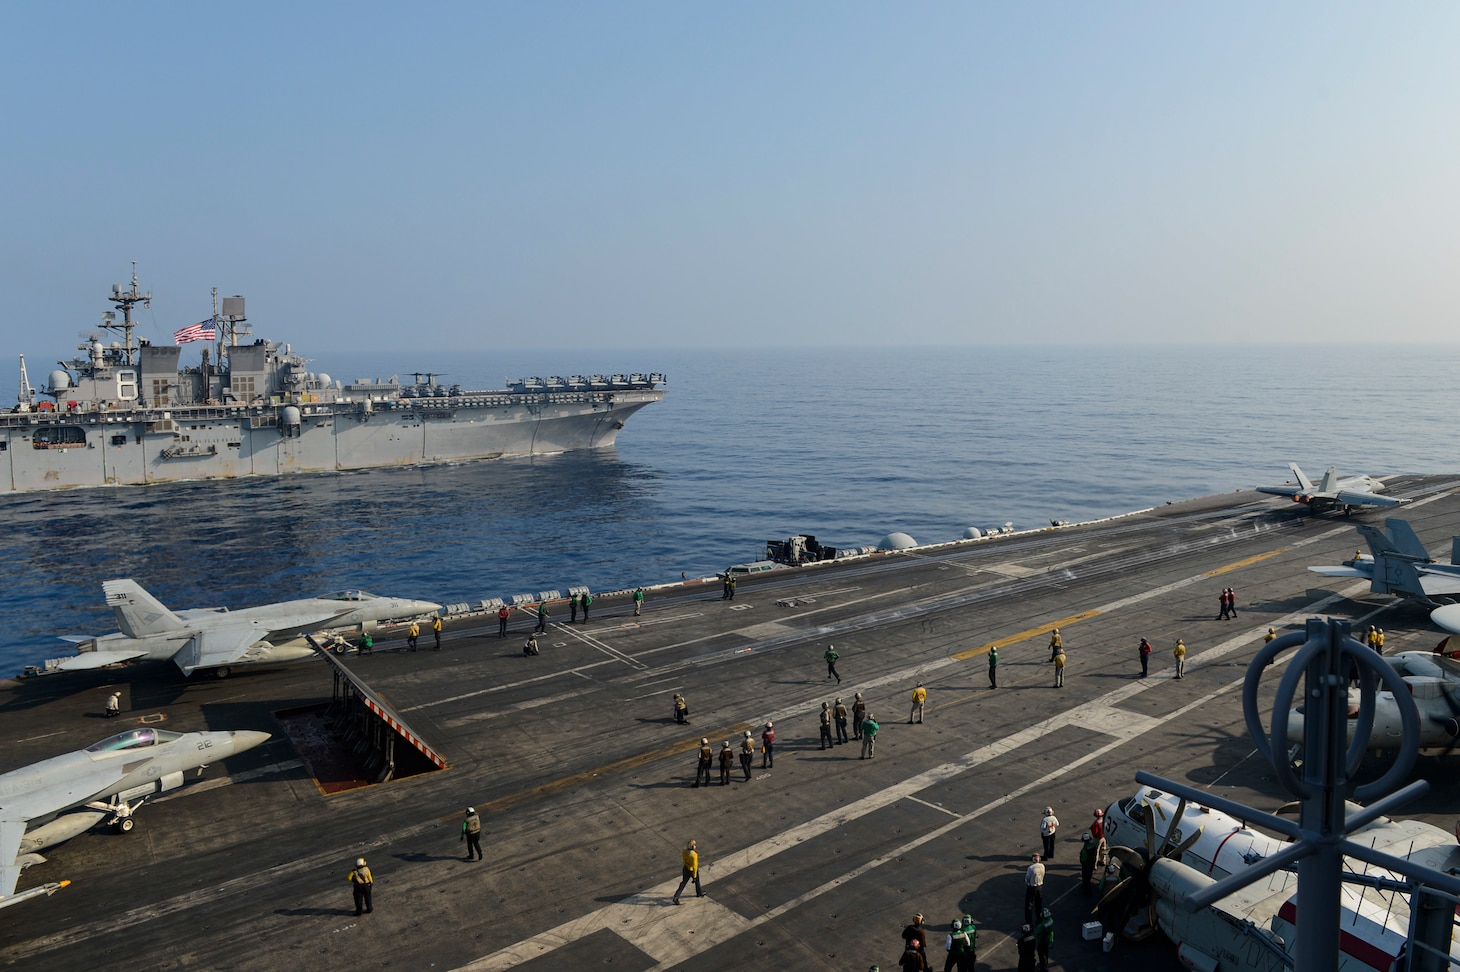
[(1334, 492), (1400, 564), (217, 638), (56, 799)]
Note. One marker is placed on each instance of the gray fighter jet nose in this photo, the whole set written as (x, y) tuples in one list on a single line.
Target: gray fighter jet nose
[(245, 739)]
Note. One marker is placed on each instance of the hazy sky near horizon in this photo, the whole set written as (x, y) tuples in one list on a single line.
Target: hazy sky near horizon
[(694, 175)]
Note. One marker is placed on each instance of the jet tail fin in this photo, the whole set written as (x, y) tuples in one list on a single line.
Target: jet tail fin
[(138, 613), (1330, 481), (1404, 539), (1381, 543), (1303, 481)]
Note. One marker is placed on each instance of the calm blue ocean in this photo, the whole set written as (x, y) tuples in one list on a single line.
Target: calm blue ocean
[(848, 445)]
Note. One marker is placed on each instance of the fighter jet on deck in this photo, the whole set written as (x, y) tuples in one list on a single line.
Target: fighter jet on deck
[(1399, 564), (56, 799), (217, 638), (1334, 492)]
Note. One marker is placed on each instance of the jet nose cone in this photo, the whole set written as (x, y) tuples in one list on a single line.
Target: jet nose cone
[(426, 607), (245, 739)]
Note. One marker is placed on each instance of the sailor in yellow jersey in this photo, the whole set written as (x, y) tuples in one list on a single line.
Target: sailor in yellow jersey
[(1179, 653), (361, 881), (412, 633), (919, 696), (691, 871)]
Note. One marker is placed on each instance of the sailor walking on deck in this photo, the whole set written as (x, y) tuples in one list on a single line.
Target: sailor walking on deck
[(831, 656), (691, 870), (1179, 653), (412, 633), (993, 668), (503, 613), (361, 883), (768, 746), (638, 601), (471, 832), (542, 616), (436, 629)]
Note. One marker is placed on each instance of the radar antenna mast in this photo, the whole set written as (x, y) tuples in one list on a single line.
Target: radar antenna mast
[(124, 301)]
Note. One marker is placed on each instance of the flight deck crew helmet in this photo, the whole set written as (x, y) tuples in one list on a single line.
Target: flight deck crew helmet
[(1049, 809), (747, 734), (470, 811), (1044, 913), (1024, 929), (705, 741), (359, 862), (957, 924), (769, 724), (826, 705), (1086, 837)]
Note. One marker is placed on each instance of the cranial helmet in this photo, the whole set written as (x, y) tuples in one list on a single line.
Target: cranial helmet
[(705, 741), (359, 862)]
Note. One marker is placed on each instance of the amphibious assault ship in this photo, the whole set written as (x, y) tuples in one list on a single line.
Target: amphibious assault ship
[(126, 413)]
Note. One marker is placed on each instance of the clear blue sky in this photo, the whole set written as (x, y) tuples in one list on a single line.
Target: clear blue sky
[(687, 175)]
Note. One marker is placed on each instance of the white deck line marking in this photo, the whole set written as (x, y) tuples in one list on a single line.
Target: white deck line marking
[(607, 649), (1127, 727), (577, 669), (513, 709), (934, 806)]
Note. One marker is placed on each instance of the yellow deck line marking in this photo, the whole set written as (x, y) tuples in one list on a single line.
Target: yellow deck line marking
[(630, 762), (1024, 635), (1256, 559)]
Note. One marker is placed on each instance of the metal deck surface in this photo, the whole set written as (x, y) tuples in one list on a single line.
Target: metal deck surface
[(583, 778)]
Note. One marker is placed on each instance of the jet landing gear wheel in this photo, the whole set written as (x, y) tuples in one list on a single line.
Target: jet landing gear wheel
[(125, 825), (222, 672)]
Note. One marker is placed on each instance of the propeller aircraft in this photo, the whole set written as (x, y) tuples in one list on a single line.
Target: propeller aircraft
[(1183, 848), (1434, 686)]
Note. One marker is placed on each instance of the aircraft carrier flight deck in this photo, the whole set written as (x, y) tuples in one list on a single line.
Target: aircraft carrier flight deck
[(583, 778)]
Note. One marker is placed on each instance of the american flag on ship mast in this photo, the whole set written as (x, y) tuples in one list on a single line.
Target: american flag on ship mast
[(201, 331)]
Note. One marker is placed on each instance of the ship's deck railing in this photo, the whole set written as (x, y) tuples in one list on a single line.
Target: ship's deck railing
[(349, 403)]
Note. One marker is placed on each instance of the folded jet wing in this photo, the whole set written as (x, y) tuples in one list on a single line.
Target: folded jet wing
[(11, 832), (225, 644)]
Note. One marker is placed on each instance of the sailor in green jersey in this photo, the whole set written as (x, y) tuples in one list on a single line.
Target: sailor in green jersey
[(869, 736), (1044, 938)]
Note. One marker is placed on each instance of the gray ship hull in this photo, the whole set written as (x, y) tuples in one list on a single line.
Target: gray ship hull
[(58, 450)]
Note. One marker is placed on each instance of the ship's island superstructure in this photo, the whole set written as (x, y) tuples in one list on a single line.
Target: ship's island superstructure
[(126, 413)]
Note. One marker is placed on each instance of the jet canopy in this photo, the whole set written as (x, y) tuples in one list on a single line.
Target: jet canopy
[(134, 739), (349, 596)]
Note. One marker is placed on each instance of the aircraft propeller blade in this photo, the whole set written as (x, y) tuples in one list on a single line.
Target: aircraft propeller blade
[(1171, 830), (1133, 859), (1150, 827), (1110, 896)]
